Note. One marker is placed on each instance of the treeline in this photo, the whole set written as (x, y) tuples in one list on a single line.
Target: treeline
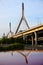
[(7, 44), (5, 40), (12, 47)]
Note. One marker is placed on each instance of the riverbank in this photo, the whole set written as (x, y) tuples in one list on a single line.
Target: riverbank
[(21, 47), (12, 47)]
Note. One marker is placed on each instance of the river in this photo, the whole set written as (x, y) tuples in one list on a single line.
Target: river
[(21, 58)]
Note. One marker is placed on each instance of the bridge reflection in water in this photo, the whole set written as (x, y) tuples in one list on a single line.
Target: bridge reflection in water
[(17, 58), (24, 55)]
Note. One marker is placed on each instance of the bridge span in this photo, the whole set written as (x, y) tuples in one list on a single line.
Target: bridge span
[(33, 36), (34, 30)]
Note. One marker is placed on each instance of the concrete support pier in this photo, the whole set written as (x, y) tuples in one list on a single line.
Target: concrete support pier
[(32, 40), (35, 40)]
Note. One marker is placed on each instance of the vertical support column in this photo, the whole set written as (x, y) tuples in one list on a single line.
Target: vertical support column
[(26, 39), (35, 40), (32, 41)]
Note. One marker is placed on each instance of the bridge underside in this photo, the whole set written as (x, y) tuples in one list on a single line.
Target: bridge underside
[(32, 40)]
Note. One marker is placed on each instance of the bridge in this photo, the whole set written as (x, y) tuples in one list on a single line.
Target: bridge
[(32, 36), (35, 30)]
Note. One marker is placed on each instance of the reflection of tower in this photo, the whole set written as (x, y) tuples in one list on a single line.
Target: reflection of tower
[(10, 32), (22, 18), (12, 53), (25, 56)]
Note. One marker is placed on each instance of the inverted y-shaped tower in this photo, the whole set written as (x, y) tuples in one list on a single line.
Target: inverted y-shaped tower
[(22, 18), (10, 32)]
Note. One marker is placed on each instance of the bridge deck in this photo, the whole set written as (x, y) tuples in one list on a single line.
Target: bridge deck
[(38, 28)]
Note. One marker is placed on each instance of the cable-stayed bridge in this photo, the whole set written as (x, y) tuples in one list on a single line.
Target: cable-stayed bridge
[(32, 35)]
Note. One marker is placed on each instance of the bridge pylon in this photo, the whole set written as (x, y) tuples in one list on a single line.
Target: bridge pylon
[(10, 32), (22, 18)]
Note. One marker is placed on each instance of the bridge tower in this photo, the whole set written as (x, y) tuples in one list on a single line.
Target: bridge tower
[(10, 32), (22, 18), (10, 26)]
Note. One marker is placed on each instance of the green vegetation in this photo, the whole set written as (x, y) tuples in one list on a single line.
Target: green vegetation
[(7, 44), (12, 47)]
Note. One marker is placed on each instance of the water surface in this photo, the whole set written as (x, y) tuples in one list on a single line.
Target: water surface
[(21, 58)]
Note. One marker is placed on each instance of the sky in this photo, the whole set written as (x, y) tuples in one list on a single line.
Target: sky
[(11, 11)]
